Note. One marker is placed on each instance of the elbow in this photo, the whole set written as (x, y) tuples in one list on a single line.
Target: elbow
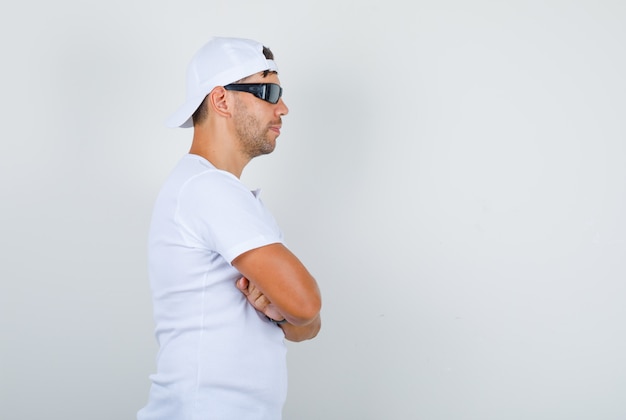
[(305, 313), (302, 334)]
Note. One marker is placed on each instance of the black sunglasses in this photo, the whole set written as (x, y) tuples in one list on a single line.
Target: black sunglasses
[(270, 92)]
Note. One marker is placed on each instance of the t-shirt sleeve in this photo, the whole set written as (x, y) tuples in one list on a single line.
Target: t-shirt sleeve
[(215, 211)]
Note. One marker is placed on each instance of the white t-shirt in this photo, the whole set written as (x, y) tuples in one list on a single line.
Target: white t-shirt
[(218, 357)]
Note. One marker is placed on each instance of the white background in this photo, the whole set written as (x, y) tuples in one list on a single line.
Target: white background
[(452, 172)]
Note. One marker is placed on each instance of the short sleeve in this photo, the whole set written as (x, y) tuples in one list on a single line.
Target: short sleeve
[(217, 212)]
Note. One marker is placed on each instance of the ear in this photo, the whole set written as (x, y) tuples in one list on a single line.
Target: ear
[(218, 101)]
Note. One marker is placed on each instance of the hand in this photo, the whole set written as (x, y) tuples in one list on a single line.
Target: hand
[(258, 300)]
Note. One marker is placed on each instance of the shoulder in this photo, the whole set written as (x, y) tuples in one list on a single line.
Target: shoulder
[(194, 174)]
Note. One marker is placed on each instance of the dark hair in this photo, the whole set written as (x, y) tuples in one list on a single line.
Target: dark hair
[(201, 113)]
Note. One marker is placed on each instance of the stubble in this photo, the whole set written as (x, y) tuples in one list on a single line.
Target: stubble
[(254, 137)]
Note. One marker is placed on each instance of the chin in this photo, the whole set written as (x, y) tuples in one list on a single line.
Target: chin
[(268, 148)]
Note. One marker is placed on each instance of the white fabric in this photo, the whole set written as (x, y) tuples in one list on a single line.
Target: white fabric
[(218, 357), (219, 62)]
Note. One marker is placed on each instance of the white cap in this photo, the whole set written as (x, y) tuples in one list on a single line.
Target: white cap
[(219, 62)]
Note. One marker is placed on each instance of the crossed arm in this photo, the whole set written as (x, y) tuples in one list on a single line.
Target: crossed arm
[(277, 284)]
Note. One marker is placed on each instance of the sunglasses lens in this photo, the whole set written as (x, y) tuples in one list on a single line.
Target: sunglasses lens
[(270, 92), (273, 93)]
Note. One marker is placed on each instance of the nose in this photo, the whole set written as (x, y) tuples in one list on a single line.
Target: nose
[(281, 108)]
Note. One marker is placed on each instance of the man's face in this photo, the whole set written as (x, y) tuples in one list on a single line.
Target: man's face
[(257, 122)]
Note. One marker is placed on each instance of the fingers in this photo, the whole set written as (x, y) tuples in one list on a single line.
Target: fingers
[(243, 284), (261, 302), (257, 299), (249, 289), (254, 295)]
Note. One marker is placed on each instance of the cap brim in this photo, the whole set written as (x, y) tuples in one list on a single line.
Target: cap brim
[(182, 117)]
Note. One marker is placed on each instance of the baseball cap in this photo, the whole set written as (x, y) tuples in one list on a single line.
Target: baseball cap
[(219, 62)]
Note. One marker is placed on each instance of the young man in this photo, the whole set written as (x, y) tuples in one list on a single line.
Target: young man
[(226, 291)]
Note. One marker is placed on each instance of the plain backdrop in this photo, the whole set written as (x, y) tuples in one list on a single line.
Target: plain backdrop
[(452, 172)]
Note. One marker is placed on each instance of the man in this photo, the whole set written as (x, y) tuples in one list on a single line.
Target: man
[(226, 291)]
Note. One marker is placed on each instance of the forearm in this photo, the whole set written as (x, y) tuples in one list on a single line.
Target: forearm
[(302, 332), (283, 280)]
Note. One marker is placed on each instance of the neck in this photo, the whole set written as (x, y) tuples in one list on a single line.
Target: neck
[(220, 149)]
